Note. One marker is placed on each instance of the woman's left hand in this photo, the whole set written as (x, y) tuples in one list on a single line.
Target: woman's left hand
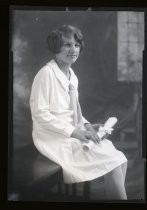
[(93, 133), (93, 128)]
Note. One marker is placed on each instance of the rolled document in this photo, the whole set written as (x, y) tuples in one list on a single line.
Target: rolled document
[(88, 146), (107, 128), (110, 122)]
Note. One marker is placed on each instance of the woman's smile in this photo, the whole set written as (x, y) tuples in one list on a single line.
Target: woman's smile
[(73, 56), (69, 51)]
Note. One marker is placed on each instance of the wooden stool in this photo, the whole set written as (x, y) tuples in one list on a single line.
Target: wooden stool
[(31, 173)]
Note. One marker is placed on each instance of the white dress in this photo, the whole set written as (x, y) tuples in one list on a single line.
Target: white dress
[(52, 127)]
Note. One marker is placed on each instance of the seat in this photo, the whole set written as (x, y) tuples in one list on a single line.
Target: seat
[(33, 176), (30, 172)]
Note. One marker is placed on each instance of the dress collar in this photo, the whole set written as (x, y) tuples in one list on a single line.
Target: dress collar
[(61, 76)]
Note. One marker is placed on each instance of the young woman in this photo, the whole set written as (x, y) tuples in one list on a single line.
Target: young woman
[(59, 129)]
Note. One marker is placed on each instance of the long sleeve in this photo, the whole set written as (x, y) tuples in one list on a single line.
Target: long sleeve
[(83, 118), (40, 106)]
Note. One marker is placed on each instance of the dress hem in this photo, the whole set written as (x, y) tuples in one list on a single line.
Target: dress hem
[(97, 176)]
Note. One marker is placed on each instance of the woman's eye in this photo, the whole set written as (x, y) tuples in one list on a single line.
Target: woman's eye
[(67, 45), (70, 45), (77, 45)]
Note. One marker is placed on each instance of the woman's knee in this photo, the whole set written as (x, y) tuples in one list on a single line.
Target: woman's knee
[(115, 173)]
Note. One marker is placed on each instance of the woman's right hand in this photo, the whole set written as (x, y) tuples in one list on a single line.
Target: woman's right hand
[(85, 135)]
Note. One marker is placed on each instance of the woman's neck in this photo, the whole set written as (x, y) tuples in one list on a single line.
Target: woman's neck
[(63, 67)]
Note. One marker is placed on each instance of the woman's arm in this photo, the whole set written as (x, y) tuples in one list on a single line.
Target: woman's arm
[(40, 103)]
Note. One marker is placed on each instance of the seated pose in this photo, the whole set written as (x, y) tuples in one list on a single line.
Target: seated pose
[(59, 129)]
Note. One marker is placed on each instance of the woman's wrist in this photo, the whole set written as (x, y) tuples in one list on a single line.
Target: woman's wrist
[(88, 125)]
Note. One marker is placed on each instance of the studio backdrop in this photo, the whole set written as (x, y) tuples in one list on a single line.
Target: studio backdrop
[(109, 69)]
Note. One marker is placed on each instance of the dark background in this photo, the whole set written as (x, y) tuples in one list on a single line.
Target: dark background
[(101, 94), (100, 91)]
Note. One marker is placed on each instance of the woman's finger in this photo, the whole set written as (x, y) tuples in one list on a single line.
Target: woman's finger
[(98, 139), (95, 138), (106, 135), (85, 140)]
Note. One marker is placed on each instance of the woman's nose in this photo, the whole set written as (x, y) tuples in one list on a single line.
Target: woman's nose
[(72, 48)]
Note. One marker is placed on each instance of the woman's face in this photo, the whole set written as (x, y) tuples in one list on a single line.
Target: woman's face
[(69, 51)]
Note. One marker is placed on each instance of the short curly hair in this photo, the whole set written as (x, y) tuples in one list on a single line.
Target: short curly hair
[(55, 41)]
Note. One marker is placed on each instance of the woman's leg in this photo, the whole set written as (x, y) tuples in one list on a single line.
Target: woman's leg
[(114, 184), (124, 170)]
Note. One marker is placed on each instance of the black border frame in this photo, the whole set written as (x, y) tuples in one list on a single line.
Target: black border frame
[(7, 64)]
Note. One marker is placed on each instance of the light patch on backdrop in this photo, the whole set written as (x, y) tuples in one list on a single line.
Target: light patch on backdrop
[(19, 47), (20, 78), (21, 91)]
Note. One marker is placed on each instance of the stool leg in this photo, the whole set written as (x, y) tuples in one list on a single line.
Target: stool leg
[(86, 190), (74, 189), (60, 187), (66, 189), (60, 182)]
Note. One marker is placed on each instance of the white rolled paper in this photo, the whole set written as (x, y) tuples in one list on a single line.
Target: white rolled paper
[(107, 126), (102, 131), (110, 122), (88, 146)]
